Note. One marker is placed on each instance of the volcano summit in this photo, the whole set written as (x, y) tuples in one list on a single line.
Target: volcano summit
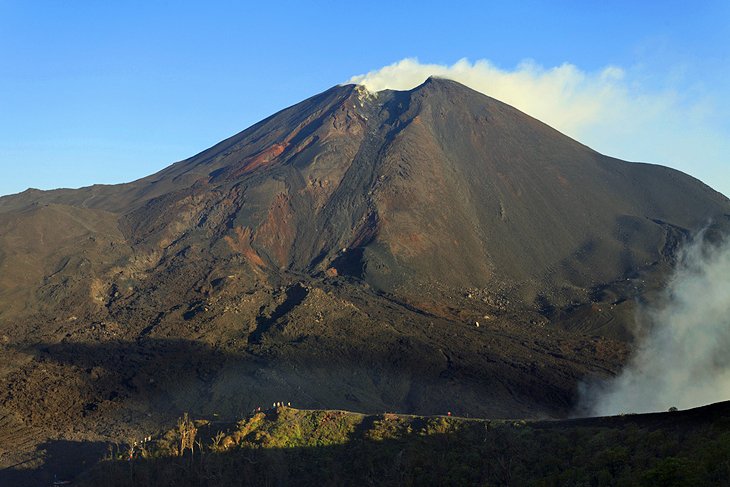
[(418, 251)]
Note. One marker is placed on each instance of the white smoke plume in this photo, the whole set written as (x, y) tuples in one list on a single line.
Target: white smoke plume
[(614, 110), (563, 96), (684, 360)]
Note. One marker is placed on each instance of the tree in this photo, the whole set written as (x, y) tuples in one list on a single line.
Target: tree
[(187, 431)]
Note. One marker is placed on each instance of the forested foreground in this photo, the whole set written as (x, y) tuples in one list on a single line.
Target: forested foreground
[(286, 446)]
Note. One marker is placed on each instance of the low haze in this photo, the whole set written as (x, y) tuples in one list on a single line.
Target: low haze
[(683, 361)]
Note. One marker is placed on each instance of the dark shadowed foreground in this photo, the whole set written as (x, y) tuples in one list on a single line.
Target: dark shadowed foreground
[(286, 446)]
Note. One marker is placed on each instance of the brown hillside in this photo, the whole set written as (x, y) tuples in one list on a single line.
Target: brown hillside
[(339, 253)]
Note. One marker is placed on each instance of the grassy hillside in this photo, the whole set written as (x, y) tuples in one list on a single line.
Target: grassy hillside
[(286, 446)]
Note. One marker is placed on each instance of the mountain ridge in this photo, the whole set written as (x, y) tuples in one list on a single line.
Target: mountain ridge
[(404, 189), (403, 250)]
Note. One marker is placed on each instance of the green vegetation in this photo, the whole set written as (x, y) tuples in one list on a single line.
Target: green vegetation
[(298, 447)]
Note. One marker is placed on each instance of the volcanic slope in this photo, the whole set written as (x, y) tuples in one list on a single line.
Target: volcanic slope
[(340, 253)]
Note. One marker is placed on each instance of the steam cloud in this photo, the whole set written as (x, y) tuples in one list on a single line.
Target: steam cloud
[(684, 360), (563, 96), (613, 110)]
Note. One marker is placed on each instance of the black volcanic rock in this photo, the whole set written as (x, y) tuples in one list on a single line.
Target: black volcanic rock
[(340, 253), (439, 183)]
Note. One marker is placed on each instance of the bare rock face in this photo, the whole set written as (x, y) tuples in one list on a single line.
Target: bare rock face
[(339, 254)]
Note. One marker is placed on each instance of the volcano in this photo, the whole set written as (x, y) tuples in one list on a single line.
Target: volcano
[(416, 251)]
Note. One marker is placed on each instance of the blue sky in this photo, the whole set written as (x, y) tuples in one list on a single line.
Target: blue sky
[(112, 91)]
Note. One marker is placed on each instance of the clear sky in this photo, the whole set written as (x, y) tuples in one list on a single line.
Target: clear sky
[(106, 92)]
